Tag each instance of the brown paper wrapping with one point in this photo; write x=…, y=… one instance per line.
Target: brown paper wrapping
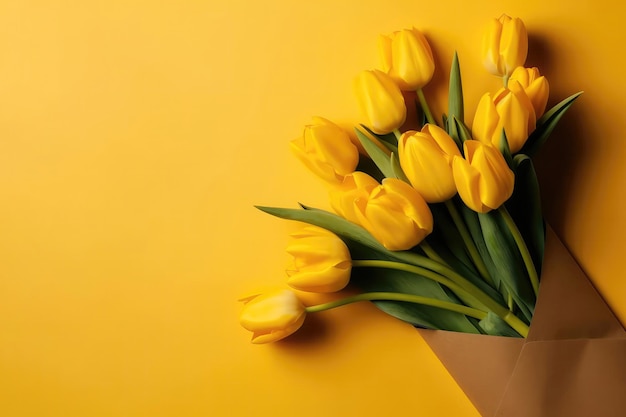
x=572, y=364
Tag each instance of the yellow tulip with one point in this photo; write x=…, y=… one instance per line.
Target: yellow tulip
x=321, y=261
x=535, y=86
x=407, y=58
x=509, y=109
x=483, y=179
x=272, y=316
x=505, y=45
x=326, y=149
x=395, y=214
x=355, y=186
x=380, y=100
x=426, y=159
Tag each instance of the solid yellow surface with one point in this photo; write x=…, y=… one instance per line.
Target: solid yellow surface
x=135, y=137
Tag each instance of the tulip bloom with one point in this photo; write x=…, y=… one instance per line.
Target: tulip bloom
x=505, y=45
x=272, y=316
x=407, y=58
x=509, y=109
x=326, y=149
x=321, y=261
x=380, y=100
x=395, y=214
x=426, y=159
x=355, y=186
x=483, y=179
x=535, y=86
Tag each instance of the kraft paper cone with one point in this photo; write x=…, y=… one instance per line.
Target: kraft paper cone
x=572, y=364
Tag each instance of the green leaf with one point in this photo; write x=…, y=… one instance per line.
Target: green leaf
x=505, y=150
x=462, y=132
x=453, y=130
x=380, y=157
x=389, y=138
x=392, y=148
x=525, y=208
x=546, y=124
x=363, y=246
x=369, y=167
x=397, y=169
x=446, y=236
x=455, y=95
x=495, y=326
x=328, y=221
x=473, y=225
x=388, y=280
x=507, y=260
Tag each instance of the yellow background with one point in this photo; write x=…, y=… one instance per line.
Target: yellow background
x=135, y=137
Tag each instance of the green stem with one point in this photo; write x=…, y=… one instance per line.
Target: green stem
x=397, y=133
x=484, y=299
x=426, y=273
x=509, y=300
x=393, y=296
x=521, y=245
x=425, y=107
x=455, y=282
x=505, y=80
x=469, y=243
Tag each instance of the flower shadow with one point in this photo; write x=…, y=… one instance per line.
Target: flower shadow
x=559, y=161
x=314, y=331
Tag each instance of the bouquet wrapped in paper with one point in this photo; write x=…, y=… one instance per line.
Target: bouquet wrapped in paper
x=441, y=227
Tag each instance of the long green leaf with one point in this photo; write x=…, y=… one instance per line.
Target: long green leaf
x=328, y=221
x=389, y=138
x=525, y=208
x=380, y=157
x=546, y=125
x=473, y=225
x=505, y=150
x=507, y=260
x=376, y=279
x=363, y=246
x=455, y=95
x=397, y=169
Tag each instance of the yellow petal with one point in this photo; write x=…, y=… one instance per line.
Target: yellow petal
x=467, y=180
x=380, y=100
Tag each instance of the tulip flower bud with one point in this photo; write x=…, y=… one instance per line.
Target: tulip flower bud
x=272, y=316
x=380, y=100
x=407, y=58
x=426, y=159
x=355, y=186
x=395, y=214
x=509, y=109
x=483, y=179
x=321, y=261
x=505, y=45
x=535, y=86
x=326, y=149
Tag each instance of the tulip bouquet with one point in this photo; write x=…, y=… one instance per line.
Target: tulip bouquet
x=440, y=227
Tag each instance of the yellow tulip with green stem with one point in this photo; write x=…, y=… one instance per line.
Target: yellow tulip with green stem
x=435, y=221
x=504, y=46
x=407, y=58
